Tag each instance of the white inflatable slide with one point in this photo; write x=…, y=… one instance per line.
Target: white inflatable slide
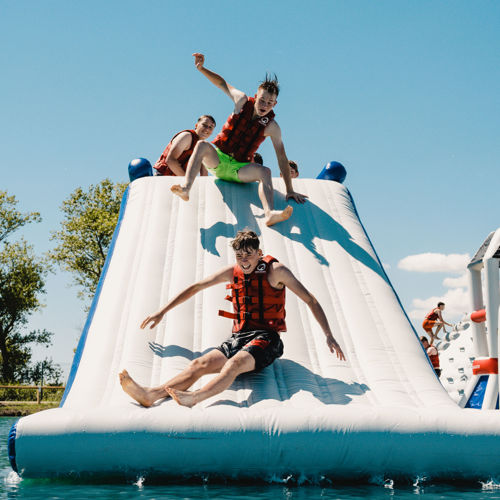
x=382, y=413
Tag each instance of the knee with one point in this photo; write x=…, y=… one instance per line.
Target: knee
x=236, y=364
x=202, y=147
x=198, y=365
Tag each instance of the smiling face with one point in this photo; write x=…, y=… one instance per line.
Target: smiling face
x=264, y=102
x=247, y=259
x=204, y=127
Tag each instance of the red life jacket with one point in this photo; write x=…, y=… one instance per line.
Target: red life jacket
x=434, y=358
x=161, y=164
x=256, y=304
x=432, y=316
x=241, y=136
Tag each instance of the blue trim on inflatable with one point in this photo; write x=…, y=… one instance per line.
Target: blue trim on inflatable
x=389, y=281
x=477, y=396
x=90, y=317
x=11, y=446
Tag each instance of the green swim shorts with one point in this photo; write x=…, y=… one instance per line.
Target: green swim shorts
x=228, y=167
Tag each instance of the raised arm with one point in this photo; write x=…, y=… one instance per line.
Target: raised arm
x=221, y=276
x=280, y=274
x=274, y=132
x=237, y=96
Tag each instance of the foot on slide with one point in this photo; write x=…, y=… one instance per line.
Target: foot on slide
x=184, y=398
x=180, y=191
x=141, y=394
x=276, y=216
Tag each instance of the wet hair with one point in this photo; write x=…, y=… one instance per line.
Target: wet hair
x=245, y=240
x=257, y=158
x=293, y=165
x=270, y=84
x=210, y=117
x=440, y=304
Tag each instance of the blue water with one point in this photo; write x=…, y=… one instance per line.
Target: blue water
x=12, y=487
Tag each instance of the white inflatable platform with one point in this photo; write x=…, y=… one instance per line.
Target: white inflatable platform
x=382, y=413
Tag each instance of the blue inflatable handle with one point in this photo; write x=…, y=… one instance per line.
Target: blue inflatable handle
x=140, y=167
x=333, y=171
x=11, y=447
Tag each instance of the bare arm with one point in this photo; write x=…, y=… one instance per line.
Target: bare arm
x=280, y=274
x=441, y=319
x=180, y=144
x=237, y=96
x=274, y=132
x=219, y=277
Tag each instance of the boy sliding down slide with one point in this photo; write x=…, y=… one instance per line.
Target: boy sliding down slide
x=233, y=157
x=258, y=296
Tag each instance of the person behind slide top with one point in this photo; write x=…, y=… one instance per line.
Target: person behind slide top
x=294, y=169
x=232, y=158
x=257, y=285
x=435, y=318
x=174, y=160
x=433, y=354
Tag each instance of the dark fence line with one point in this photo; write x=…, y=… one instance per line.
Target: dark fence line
x=13, y=392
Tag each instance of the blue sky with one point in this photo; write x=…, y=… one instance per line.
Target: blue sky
x=404, y=93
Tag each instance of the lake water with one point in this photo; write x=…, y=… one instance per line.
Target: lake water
x=12, y=487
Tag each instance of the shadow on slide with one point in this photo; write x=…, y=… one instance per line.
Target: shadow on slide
x=315, y=222
x=291, y=378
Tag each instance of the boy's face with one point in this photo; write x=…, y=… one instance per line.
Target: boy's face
x=204, y=128
x=247, y=259
x=264, y=102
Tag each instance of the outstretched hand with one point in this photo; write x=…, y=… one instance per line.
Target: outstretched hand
x=154, y=319
x=335, y=348
x=299, y=198
x=199, y=60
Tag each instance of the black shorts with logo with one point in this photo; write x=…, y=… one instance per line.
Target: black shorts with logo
x=264, y=346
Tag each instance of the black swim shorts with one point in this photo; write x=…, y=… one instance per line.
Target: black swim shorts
x=264, y=346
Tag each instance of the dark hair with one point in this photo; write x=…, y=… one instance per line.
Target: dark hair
x=210, y=117
x=423, y=338
x=440, y=304
x=257, y=158
x=293, y=165
x=271, y=84
x=245, y=240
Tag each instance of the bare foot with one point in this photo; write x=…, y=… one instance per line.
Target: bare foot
x=143, y=395
x=184, y=398
x=180, y=191
x=279, y=216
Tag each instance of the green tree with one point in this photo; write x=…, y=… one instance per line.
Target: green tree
x=22, y=282
x=86, y=232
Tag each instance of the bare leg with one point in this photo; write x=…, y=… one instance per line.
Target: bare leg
x=438, y=328
x=241, y=363
x=204, y=154
x=257, y=173
x=212, y=362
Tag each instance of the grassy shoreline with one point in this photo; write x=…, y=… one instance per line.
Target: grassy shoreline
x=23, y=408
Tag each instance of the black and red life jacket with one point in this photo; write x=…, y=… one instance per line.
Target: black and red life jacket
x=432, y=316
x=161, y=165
x=241, y=136
x=256, y=304
x=434, y=358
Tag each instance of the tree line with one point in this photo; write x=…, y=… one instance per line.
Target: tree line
x=81, y=245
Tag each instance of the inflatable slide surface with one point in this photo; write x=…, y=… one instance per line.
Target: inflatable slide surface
x=383, y=412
